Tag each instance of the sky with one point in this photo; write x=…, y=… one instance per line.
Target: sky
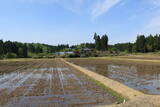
x=75, y=21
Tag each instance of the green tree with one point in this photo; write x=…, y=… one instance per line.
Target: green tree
x=155, y=43
x=1, y=47
x=31, y=48
x=150, y=44
x=104, y=42
x=97, y=42
x=158, y=42
x=10, y=55
x=23, y=52
x=130, y=46
x=141, y=44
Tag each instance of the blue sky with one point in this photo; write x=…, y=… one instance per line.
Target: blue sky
x=75, y=21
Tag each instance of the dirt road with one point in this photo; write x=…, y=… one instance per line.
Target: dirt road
x=49, y=83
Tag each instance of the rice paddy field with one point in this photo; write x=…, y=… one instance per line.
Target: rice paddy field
x=140, y=75
x=54, y=83
x=48, y=83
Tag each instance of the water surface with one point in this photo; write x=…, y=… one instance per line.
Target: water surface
x=140, y=76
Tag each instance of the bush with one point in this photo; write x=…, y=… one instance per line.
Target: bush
x=39, y=55
x=11, y=55
x=1, y=56
x=73, y=56
x=85, y=55
x=51, y=56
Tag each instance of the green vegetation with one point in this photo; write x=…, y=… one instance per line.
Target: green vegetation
x=10, y=55
x=101, y=43
x=143, y=44
x=9, y=49
x=100, y=48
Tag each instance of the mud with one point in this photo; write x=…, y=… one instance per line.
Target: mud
x=49, y=83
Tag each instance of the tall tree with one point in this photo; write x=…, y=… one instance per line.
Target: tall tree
x=7, y=47
x=104, y=42
x=31, y=48
x=1, y=47
x=150, y=44
x=97, y=41
x=141, y=44
x=156, y=42
x=159, y=42
x=23, y=51
x=130, y=47
x=39, y=49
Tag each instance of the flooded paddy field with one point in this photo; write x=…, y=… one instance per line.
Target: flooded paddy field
x=9, y=66
x=48, y=83
x=141, y=76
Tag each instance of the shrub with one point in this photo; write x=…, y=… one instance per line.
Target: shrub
x=73, y=56
x=11, y=55
x=39, y=56
x=1, y=56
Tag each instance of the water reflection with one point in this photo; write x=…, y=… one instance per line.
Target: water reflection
x=145, y=78
x=129, y=75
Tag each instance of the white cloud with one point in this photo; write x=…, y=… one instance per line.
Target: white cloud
x=103, y=7
x=156, y=2
x=94, y=7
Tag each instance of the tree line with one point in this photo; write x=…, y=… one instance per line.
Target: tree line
x=22, y=50
x=142, y=44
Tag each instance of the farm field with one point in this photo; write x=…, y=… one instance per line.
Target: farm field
x=48, y=83
x=142, y=56
x=140, y=75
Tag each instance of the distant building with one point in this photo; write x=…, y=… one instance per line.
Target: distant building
x=63, y=53
x=69, y=52
x=86, y=49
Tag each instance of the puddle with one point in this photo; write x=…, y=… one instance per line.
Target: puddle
x=145, y=78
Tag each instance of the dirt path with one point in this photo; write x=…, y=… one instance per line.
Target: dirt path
x=137, y=99
x=50, y=83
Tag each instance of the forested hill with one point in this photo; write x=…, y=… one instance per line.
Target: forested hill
x=22, y=50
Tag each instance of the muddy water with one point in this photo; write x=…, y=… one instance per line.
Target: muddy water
x=50, y=84
x=140, y=76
